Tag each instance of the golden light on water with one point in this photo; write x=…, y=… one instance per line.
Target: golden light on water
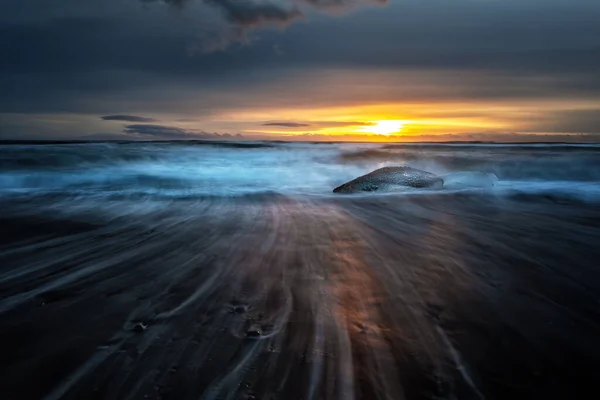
x=384, y=127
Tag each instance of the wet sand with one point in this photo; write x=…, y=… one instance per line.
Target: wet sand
x=271, y=297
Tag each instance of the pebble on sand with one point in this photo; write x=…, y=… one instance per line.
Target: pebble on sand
x=253, y=333
x=139, y=327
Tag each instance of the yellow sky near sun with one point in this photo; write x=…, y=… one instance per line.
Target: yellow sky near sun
x=378, y=121
x=390, y=121
x=347, y=104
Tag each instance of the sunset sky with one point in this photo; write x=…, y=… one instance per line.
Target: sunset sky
x=401, y=70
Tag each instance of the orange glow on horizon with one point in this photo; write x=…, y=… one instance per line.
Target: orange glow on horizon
x=384, y=122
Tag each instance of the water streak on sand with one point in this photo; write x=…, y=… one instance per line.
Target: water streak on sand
x=383, y=298
x=466, y=294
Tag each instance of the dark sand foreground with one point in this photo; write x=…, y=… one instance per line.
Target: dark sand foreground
x=443, y=297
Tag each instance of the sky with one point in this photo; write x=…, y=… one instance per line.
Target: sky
x=363, y=70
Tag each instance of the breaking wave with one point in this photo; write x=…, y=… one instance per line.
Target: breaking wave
x=191, y=169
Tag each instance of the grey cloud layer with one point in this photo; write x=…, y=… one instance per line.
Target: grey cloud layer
x=246, y=12
x=127, y=118
x=77, y=57
x=253, y=13
x=247, y=15
x=286, y=124
x=173, y=133
x=321, y=124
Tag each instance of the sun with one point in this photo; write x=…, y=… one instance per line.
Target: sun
x=384, y=127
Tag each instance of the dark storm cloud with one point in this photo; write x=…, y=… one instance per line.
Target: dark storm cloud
x=92, y=58
x=247, y=12
x=127, y=118
x=172, y=132
x=286, y=124
x=247, y=15
x=255, y=13
x=489, y=40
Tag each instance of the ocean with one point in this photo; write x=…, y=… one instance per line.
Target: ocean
x=178, y=170
x=229, y=270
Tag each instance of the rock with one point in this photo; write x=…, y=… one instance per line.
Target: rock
x=139, y=327
x=240, y=309
x=253, y=333
x=390, y=178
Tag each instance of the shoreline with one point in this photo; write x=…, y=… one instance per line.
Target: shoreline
x=357, y=298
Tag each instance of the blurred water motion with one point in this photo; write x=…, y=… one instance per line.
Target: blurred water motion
x=134, y=287
x=183, y=170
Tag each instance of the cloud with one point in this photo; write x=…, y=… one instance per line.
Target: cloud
x=559, y=121
x=245, y=15
x=336, y=6
x=286, y=124
x=104, y=137
x=339, y=124
x=127, y=118
x=512, y=63
x=164, y=132
x=252, y=13
x=247, y=12
x=316, y=124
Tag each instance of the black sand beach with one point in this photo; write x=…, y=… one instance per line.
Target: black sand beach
x=272, y=297
x=299, y=200
x=217, y=270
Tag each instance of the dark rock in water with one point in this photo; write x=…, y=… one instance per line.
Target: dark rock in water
x=240, y=309
x=253, y=333
x=389, y=178
x=139, y=327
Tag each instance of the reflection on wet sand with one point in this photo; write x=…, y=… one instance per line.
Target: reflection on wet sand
x=372, y=298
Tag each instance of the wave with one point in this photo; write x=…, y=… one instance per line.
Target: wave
x=512, y=163
x=468, y=145
x=53, y=155
x=183, y=170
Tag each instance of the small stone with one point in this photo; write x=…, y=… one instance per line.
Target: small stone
x=239, y=309
x=253, y=333
x=139, y=327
